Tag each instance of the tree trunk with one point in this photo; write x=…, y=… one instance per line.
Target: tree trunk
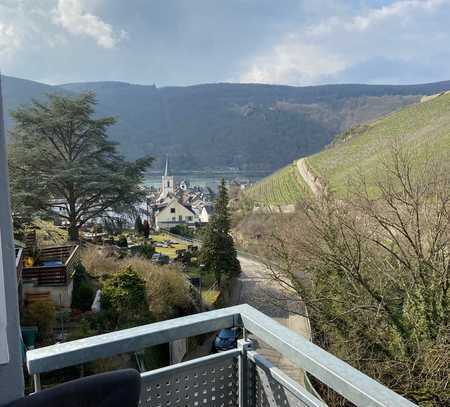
x=74, y=233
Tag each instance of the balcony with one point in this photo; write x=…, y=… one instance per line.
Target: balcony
x=238, y=377
x=55, y=266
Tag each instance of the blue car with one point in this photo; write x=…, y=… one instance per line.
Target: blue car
x=226, y=339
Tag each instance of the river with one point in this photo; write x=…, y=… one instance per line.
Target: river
x=206, y=179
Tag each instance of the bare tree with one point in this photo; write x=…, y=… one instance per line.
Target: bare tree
x=374, y=269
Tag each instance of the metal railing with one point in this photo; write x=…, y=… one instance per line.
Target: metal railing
x=237, y=377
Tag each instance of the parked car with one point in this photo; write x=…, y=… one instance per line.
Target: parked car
x=226, y=339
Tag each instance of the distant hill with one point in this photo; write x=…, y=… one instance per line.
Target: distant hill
x=219, y=126
x=423, y=126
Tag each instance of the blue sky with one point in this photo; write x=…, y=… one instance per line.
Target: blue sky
x=183, y=42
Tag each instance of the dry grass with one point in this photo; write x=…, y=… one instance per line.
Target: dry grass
x=99, y=261
x=48, y=234
x=169, y=292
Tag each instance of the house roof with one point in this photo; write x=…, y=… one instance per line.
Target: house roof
x=176, y=200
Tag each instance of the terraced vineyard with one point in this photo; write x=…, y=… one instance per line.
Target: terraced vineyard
x=282, y=187
x=422, y=127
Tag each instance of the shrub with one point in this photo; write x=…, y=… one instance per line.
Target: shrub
x=124, y=298
x=170, y=294
x=122, y=242
x=83, y=289
x=146, y=251
x=182, y=230
x=43, y=315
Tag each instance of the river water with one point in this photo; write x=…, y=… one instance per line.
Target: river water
x=209, y=179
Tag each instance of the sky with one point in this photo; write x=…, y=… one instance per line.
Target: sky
x=185, y=42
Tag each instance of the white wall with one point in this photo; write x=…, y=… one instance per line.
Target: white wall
x=11, y=377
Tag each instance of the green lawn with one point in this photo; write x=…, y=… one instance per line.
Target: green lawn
x=168, y=251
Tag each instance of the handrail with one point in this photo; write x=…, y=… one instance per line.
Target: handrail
x=129, y=340
x=72, y=255
x=335, y=373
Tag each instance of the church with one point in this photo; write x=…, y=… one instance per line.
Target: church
x=169, y=210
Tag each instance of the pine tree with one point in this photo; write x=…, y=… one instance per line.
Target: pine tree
x=218, y=253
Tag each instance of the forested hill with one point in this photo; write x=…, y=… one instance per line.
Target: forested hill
x=215, y=126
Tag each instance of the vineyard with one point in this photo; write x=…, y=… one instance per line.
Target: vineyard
x=282, y=187
x=423, y=128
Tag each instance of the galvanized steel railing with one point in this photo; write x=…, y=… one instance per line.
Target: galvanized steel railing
x=238, y=377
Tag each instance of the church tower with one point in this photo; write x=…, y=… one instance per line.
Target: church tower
x=167, y=185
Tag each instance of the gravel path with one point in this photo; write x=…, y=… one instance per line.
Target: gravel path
x=310, y=179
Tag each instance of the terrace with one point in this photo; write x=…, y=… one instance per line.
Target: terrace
x=54, y=266
x=238, y=377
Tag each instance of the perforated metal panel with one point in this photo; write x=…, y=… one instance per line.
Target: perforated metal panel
x=268, y=390
x=211, y=383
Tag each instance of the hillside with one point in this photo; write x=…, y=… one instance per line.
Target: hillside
x=218, y=126
x=424, y=127
x=282, y=187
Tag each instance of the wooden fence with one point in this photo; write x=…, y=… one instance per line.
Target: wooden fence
x=54, y=275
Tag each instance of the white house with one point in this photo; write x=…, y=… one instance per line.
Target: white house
x=184, y=185
x=174, y=213
x=206, y=213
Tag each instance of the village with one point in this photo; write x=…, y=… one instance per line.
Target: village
x=59, y=282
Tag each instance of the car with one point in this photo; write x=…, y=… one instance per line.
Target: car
x=226, y=339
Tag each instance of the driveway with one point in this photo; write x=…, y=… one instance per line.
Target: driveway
x=255, y=287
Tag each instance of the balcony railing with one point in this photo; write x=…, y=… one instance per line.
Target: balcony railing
x=239, y=377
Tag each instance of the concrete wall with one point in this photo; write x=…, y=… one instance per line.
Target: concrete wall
x=11, y=376
x=61, y=296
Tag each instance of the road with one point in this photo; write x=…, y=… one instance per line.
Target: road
x=256, y=288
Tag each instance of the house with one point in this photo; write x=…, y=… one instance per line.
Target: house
x=48, y=276
x=184, y=185
x=206, y=213
x=174, y=213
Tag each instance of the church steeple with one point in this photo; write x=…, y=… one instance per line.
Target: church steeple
x=166, y=172
x=167, y=185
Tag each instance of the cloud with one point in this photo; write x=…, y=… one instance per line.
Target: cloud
x=70, y=15
x=405, y=32
x=293, y=62
x=10, y=40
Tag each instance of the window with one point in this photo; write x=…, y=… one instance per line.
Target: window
x=172, y=210
x=180, y=218
x=189, y=218
x=168, y=184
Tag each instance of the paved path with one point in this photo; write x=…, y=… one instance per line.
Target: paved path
x=310, y=179
x=255, y=287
